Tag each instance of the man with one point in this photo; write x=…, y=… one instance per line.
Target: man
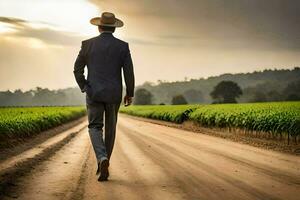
x=105, y=57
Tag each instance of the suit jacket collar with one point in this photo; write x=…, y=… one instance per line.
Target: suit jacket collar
x=106, y=33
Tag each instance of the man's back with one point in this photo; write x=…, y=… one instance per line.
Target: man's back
x=105, y=56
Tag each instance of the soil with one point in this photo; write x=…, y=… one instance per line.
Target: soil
x=260, y=140
x=154, y=161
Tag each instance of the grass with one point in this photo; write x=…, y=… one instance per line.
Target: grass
x=170, y=113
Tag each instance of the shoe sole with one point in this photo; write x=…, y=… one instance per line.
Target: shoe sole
x=103, y=171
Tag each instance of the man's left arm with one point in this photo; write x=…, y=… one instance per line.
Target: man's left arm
x=79, y=66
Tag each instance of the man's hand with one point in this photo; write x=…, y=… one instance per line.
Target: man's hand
x=127, y=100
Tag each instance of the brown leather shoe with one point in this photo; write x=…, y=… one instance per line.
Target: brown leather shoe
x=98, y=169
x=104, y=173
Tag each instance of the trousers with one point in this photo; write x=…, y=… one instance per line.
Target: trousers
x=99, y=115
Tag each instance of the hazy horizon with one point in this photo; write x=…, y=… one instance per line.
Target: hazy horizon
x=169, y=40
x=158, y=81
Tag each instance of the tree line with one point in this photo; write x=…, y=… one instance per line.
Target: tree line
x=257, y=86
x=42, y=97
x=267, y=85
x=223, y=92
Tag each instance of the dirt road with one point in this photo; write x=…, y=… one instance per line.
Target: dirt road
x=151, y=161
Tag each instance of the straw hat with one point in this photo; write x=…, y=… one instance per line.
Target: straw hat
x=107, y=19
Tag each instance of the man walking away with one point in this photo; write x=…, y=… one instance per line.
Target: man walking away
x=105, y=56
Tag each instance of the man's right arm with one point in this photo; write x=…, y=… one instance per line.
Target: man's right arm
x=79, y=66
x=128, y=73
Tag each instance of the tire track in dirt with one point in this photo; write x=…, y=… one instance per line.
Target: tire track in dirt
x=181, y=160
x=56, y=177
x=274, y=173
x=151, y=161
x=162, y=142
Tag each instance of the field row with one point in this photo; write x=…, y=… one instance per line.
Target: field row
x=22, y=122
x=280, y=118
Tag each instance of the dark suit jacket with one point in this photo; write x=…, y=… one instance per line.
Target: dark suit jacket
x=105, y=56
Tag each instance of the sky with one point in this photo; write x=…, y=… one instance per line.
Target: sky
x=169, y=40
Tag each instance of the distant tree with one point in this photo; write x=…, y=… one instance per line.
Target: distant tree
x=292, y=90
x=258, y=97
x=274, y=95
x=148, y=84
x=226, y=92
x=43, y=96
x=162, y=104
x=6, y=98
x=193, y=96
x=293, y=97
x=143, y=97
x=179, y=100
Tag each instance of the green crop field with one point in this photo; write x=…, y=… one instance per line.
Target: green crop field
x=22, y=122
x=162, y=112
x=278, y=118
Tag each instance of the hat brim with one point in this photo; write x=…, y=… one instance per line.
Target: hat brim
x=97, y=22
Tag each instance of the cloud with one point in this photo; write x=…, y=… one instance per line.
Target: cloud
x=11, y=20
x=143, y=41
x=50, y=36
x=216, y=24
x=169, y=39
x=24, y=67
x=41, y=31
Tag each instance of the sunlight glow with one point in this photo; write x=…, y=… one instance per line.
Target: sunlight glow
x=6, y=28
x=35, y=43
x=29, y=42
x=39, y=25
x=69, y=15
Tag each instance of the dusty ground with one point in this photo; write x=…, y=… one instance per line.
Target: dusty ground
x=260, y=140
x=152, y=161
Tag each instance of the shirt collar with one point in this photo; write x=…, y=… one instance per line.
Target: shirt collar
x=106, y=32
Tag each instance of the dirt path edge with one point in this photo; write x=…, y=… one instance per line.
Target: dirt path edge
x=10, y=174
x=235, y=135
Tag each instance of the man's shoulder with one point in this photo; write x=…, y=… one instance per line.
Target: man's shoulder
x=89, y=40
x=117, y=40
x=121, y=42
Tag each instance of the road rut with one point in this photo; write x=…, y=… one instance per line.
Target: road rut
x=152, y=161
